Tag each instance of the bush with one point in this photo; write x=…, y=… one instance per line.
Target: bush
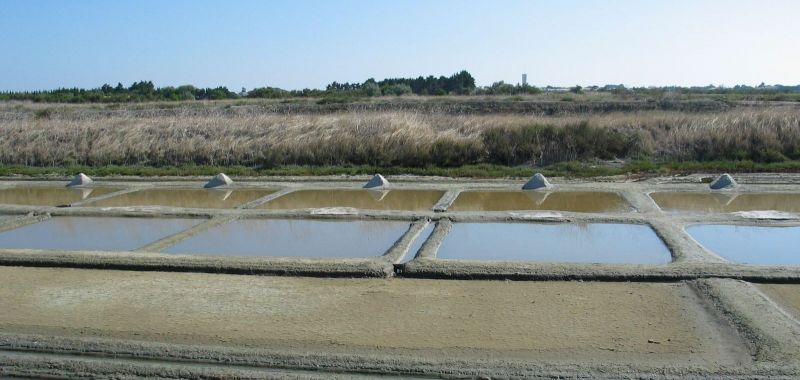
x=371, y=89
x=397, y=89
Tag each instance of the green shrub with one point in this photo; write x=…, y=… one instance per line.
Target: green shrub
x=397, y=89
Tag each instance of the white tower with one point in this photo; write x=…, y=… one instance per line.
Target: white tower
x=524, y=80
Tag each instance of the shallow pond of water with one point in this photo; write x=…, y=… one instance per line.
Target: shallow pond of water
x=93, y=233
x=577, y=243
x=726, y=202
x=188, y=198
x=49, y=196
x=571, y=201
x=295, y=237
x=750, y=244
x=406, y=200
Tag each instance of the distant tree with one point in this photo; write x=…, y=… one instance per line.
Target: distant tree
x=371, y=88
x=397, y=89
x=501, y=88
x=268, y=92
x=142, y=88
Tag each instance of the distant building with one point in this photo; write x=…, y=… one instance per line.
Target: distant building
x=556, y=89
x=524, y=79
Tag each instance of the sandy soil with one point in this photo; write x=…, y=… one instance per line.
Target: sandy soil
x=786, y=295
x=555, y=321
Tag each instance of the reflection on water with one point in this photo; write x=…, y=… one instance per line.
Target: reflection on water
x=49, y=196
x=584, y=243
x=750, y=245
x=574, y=201
x=189, y=198
x=295, y=237
x=93, y=233
x=727, y=202
x=408, y=200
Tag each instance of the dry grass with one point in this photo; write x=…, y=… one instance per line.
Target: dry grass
x=218, y=136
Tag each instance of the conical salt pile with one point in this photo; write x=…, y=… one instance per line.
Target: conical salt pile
x=219, y=180
x=724, y=181
x=80, y=180
x=376, y=181
x=538, y=181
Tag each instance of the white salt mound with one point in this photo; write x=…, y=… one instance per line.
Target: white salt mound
x=219, y=180
x=80, y=180
x=724, y=181
x=376, y=181
x=538, y=181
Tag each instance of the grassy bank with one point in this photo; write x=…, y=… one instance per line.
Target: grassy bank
x=564, y=169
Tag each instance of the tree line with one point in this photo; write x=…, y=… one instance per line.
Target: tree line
x=142, y=91
x=461, y=83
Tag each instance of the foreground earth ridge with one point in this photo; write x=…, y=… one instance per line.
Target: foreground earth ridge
x=146, y=314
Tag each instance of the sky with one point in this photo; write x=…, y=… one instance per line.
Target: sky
x=47, y=44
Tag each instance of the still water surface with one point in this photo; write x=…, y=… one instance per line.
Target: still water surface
x=295, y=237
x=727, y=202
x=93, y=233
x=576, y=243
x=188, y=198
x=406, y=200
x=749, y=244
x=49, y=196
x=571, y=201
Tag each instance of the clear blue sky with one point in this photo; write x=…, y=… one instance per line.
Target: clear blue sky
x=297, y=44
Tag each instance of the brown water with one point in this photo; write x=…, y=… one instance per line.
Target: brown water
x=93, y=233
x=49, y=196
x=584, y=243
x=573, y=201
x=295, y=237
x=727, y=202
x=189, y=198
x=408, y=200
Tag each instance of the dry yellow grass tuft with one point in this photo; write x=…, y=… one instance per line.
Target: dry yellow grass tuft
x=220, y=135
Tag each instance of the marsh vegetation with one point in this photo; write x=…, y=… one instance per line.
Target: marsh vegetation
x=417, y=134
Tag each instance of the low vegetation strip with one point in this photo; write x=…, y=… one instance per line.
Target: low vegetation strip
x=184, y=141
x=424, y=142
